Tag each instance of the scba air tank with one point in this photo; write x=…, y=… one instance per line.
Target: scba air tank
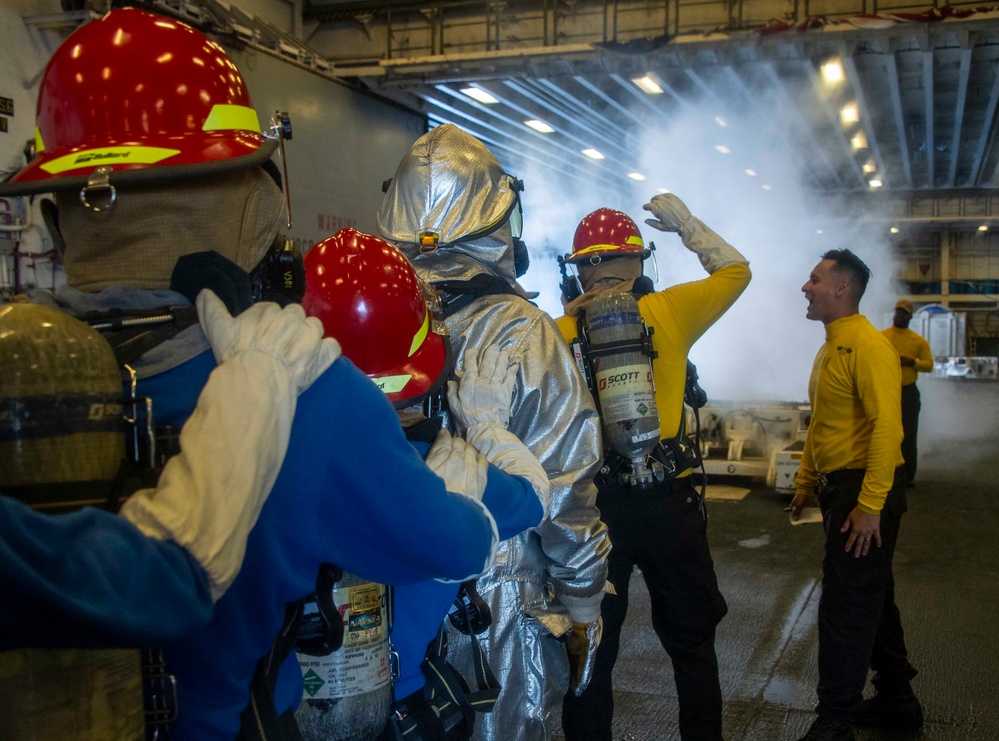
x=348, y=694
x=620, y=356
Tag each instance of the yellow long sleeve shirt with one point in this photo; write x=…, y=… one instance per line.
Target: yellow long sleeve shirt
x=679, y=315
x=908, y=344
x=855, y=392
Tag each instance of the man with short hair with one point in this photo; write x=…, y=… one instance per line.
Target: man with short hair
x=853, y=461
x=915, y=357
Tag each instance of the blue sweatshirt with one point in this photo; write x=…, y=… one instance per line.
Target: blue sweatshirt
x=420, y=608
x=352, y=491
x=91, y=579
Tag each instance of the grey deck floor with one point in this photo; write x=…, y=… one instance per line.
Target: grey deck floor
x=947, y=588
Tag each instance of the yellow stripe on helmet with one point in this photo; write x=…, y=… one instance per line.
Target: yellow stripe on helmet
x=227, y=117
x=392, y=384
x=108, y=156
x=635, y=239
x=421, y=334
x=39, y=144
x=607, y=247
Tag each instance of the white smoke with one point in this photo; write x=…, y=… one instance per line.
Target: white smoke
x=762, y=349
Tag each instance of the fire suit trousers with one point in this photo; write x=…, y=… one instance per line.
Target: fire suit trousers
x=859, y=623
x=910, y=427
x=663, y=533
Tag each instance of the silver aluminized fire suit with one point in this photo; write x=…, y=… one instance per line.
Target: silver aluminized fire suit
x=451, y=185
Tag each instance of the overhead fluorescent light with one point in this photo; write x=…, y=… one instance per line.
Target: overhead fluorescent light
x=539, y=126
x=818, y=231
x=723, y=149
x=720, y=121
x=477, y=93
x=859, y=141
x=636, y=176
x=766, y=187
x=894, y=230
x=593, y=154
x=983, y=228
x=832, y=72
x=751, y=173
x=849, y=114
x=875, y=183
x=647, y=85
x=662, y=190
x=869, y=167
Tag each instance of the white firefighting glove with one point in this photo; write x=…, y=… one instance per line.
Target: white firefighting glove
x=480, y=401
x=464, y=471
x=673, y=216
x=485, y=389
x=287, y=335
x=232, y=447
x=459, y=464
x=584, y=639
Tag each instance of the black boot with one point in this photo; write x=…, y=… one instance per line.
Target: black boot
x=893, y=706
x=827, y=729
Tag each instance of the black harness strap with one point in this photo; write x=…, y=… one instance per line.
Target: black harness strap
x=458, y=294
x=132, y=334
x=260, y=720
x=448, y=712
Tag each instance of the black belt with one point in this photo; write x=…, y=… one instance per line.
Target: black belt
x=842, y=476
x=656, y=488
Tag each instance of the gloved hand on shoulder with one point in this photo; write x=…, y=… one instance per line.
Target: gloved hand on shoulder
x=584, y=638
x=480, y=401
x=672, y=215
x=232, y=447
x=459, y=464
x=287, y=335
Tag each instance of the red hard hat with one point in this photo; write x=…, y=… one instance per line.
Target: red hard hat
x=368, y=297
x=145, y=96
x=606, y=233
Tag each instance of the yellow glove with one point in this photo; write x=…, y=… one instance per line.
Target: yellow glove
x=577, y=647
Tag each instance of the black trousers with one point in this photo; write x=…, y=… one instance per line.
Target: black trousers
x=910, y=427
x=859, y=623
x=663, y=533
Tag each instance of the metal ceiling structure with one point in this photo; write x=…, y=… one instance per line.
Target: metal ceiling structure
x=913, y=110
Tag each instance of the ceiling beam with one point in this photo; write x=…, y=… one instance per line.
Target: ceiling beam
x=739, y=84
x=586, y=112
x=962, y=96
x=572, y=126
x=832, y=118
x=632, y=89
x=519, y=146
x=978, y=163
x=791, y=106
x=853, y=76
x=891, y=70
x=928, y=115
x=584, y=83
